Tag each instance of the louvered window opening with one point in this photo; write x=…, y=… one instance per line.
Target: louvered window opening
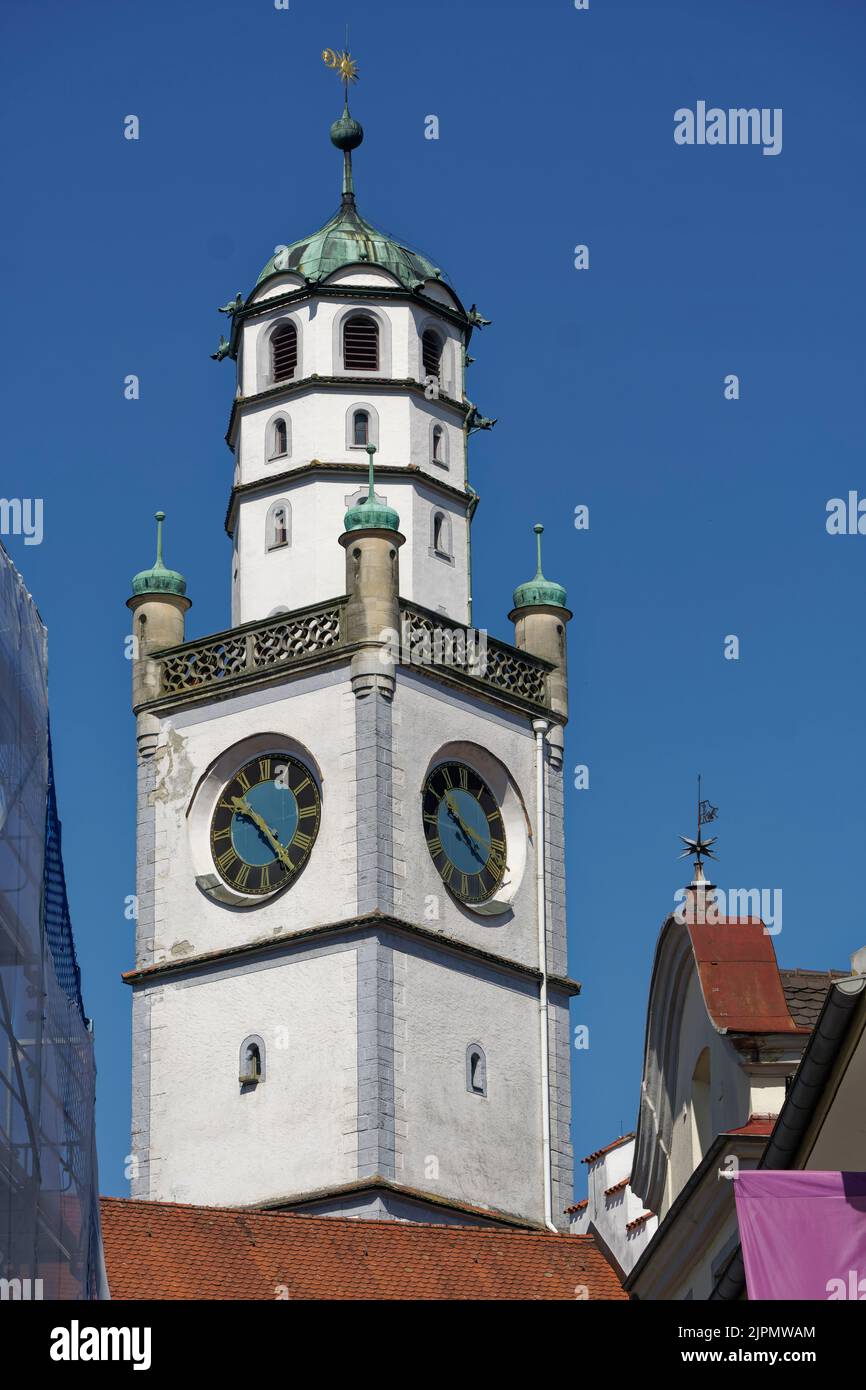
x=284, y=347
x=431, y=352
x=361, y=345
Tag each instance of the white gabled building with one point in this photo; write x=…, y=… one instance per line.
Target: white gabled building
x=612, y=1211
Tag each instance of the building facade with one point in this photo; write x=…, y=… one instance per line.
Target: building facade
x=350, y=991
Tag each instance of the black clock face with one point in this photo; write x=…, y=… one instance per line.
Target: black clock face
x=465, y=831
x=265, y=824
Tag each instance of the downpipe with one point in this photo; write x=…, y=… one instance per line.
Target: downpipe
x=540, y=728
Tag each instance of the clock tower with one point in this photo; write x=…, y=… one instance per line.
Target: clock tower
x=350, y=991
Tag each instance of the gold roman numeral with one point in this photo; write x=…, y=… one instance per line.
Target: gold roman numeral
x=243, y=782
x=302, y=841
x=264, y=769
x=226, y=860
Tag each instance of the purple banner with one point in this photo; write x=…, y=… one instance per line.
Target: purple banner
x=803, y=1235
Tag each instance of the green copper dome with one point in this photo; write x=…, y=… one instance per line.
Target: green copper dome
x=159, y=580
x=371, y=513
x=539, y=590
x=348, y=239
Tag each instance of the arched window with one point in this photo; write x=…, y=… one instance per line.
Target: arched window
x=278, y=446
x=431, y=352
x=278, y=526
x=361, y=429
x=476, y=1070
x=437, y=444
x=440, y=538
x=252, y=1061
x=284, y=352
x=361, y=344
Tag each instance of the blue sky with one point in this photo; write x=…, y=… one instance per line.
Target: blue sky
x=707, y=516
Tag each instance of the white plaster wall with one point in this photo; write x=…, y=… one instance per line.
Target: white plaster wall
x=316, y=713
x=455, y=1143
x=319, y=431
x=313, y=568
x=426, y=717
x=611, y=1215
x=211, y=1142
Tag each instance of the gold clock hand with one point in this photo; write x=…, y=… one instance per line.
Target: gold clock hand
x=467, y=830
x=243, y=807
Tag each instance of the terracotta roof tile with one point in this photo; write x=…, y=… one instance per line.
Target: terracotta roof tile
x=161, y=1250
x=599, y=1153
x=578, y=1206
x=756, y=1124
x=617, y=1187
x=638, y=1221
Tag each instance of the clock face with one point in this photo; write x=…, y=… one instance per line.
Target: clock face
x=265, y=824
x=465, y=831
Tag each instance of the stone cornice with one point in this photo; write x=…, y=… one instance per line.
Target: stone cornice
x=351, y=926
x=284, y=390
x=320, y=467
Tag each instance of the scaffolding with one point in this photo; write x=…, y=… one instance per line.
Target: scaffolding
x=49, y=1217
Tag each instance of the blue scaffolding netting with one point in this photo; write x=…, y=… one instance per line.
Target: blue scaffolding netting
x=49, y=1215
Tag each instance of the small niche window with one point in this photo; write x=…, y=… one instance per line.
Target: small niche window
x=284, y=352
x=431, y=352
x=279, y=440
x=252, y=1061
x=440, y=539
x=278, y=527
x=436, y=446
x=476, y=1070
x=361, y=344
x=361, y=429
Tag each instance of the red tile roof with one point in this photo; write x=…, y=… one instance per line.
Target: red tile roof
x=617, y=1187
x=599, y=1153
x=756, y=1124
x=740, y=978
x=638, y=1221
x=161, y=1250
x=578, y=1206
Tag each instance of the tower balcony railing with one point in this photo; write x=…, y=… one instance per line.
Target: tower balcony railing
x=254, y=648
x=431, y=640
x=426, y=639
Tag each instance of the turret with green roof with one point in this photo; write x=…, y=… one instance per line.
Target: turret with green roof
x=540, y=616
x=159, y=605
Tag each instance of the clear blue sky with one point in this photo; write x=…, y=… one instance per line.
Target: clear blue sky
x=707, y=516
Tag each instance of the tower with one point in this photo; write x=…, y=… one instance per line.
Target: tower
x=350, y=991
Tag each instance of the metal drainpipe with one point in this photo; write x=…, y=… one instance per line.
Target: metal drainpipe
x=540, y=728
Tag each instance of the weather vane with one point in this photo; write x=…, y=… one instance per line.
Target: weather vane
x=701, y=848
x=343, y=63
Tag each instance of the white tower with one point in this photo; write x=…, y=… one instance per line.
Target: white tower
x=350, y=991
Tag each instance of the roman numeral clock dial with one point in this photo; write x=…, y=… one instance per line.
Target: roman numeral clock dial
x=465, y=832
x=265, y=825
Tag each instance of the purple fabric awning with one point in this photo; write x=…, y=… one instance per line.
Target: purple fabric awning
x=803, y=1235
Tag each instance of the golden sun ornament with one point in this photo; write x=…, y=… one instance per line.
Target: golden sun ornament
x=343, y=63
